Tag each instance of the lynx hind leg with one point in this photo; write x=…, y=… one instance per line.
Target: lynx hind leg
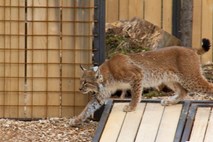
x=200, y=85
x=180, y=93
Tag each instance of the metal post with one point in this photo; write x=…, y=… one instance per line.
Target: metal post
x=176, y=10
x=99, y=53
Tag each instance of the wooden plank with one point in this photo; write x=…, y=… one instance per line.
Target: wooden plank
x=149, y=126
x=167, y=15
x=39, y=57
x=28, y=97
x=11, y=84
x=53, y=59
x=123, y=9
x=136, y=9
x=200, y=124
x=207, y=27
x=2, y=57
x=196, y=24
x=68, y=72
x=153, y=11
x=209, y=131
x=112, y=11
x=131, y=122
x=169, y=123
x=114, y=123
x=82, y=43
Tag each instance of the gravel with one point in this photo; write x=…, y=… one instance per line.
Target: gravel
x=50, y=130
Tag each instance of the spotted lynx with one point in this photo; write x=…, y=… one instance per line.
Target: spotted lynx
x=176, y=67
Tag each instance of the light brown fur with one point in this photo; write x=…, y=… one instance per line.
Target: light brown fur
x=176, y=67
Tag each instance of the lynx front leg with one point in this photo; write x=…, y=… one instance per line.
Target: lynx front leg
x=136, y=96
x=91, y=107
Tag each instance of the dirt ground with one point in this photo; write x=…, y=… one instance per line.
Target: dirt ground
x=51, y=130
x=55, y=129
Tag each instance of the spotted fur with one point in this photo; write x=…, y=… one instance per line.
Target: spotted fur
x=176, y=67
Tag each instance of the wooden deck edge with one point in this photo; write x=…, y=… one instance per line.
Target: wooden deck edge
x=103, y=120
x=180, y=134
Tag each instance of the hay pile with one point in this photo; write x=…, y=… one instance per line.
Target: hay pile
x=136, y=35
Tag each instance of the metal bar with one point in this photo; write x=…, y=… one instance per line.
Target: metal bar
x=99, y=32
x=191, y=117
x=182, y=121
x=176, y=10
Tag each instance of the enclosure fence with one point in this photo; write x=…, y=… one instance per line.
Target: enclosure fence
x=159, y=12
x=42, y=44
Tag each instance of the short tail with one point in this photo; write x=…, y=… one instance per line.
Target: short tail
x=205, y=46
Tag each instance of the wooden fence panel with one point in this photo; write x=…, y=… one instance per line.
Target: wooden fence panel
x=155, y=11
x=202, y=25
x=42, y=44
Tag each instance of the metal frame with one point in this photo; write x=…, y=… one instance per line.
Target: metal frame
x=99, y=32
x=191, y=118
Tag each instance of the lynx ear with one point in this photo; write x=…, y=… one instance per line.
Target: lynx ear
x=99, y=76
x=82, y=68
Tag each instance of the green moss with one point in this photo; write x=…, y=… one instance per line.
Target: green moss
x=120, y=44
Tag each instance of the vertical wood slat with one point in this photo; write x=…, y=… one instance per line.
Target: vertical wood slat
x=11, y=84
x=123, y=7
x=196, y=24
x=39, y=56
x=209, y=131
x=152, y=112
x=131, y=123
x=167, y=16
x=136, y=8
x=114, y=123
x=113, y=10
x=169, y=123
x=207, y=23
x=153, y=12
x=200, y=124
x=68, y=56
x=21, y=58
x=53, y=60
x=2, y=58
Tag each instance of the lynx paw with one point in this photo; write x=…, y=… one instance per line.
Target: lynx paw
x=128, y=108
x=169, y=101
x=165, y=102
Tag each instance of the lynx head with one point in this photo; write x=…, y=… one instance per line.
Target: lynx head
x=90, y=80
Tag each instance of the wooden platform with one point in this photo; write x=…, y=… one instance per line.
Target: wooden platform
x=151, y=122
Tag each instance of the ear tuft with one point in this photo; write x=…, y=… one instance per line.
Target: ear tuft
x=82, y=68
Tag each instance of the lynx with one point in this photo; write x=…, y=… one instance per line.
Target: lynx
x=176, y=67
